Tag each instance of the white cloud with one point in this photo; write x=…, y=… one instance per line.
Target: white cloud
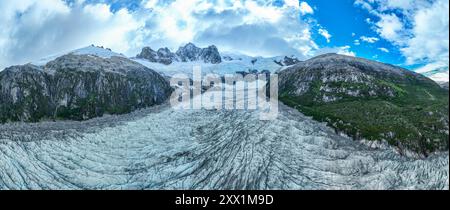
x=33, y=29
x=305, y=8
x=430, y=40
x=383, y=49
x=343, y=50
x=418, y=28
x=431, y=67
x=254, y=27
x=151, y=4
x=437, y=71
x=390, y=27
x=292, y=3
x=369, y=39
x=325, y=34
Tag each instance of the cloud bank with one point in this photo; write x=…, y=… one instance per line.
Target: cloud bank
x=32, y=29
x=419, y=28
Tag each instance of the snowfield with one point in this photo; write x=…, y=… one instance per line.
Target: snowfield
x=241, y=63
x=163, y=148
x=89, y=50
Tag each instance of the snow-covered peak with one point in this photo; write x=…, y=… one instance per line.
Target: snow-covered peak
x=97, y=51
x=89, y=50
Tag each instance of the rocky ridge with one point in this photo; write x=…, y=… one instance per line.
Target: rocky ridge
x=187, y=53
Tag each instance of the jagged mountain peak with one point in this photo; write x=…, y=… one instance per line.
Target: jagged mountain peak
x=187, y=53
x=287, y=60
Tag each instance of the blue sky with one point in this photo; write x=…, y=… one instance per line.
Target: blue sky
x=347, y=23
x=409, y=33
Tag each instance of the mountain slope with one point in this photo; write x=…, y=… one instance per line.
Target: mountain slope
x=78, y=87
x=370, y=100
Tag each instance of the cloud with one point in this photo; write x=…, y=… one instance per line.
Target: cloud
x=325, y=34
x=34, y=29
x=369, y=39
x=251, y=39
x=430, y=40
x=292, y=3
x=383, y=49
x=305, y=8
x=418, y=28
x=390, y=27
x=343, y=50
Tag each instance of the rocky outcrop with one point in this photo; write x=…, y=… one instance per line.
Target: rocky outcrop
x=163, y=55
x=210, y=55
x=287, y=61
x=78, y=87
x=188, y=53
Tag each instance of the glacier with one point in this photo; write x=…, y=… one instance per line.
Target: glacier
x=164, y=148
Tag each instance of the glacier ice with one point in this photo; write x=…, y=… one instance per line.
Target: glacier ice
x=163, y=148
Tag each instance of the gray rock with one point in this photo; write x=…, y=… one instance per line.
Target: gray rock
x=188, y=53
x=166, y=57
x=210, y=55
x=148, y=54
x=78, y=87
x=330, y=70
x=287, y=61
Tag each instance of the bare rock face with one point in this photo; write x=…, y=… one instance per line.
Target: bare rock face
x=163, y=55
x=210, y=55
x=78, y=87
x=187, y=53
x=287, y=61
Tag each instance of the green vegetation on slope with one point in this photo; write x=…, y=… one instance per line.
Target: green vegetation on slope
x=416, y=118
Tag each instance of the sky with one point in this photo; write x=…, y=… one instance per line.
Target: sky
x=410, y=33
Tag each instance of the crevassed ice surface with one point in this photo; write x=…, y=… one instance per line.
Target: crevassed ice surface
x=163, y=148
